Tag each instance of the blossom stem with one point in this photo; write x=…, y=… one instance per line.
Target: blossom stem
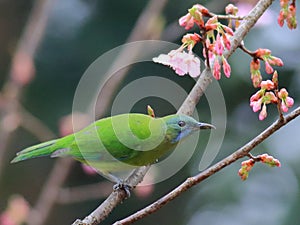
x=244, y=49
x=255, y=158
x=281, y=117
x=227, y=17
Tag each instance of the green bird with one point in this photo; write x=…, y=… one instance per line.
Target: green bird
x=120, y=142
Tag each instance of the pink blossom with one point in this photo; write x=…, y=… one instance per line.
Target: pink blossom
x=263, y=113
x=191, y=40
x=255, y=73
x=291, y=17
x=231, y=9
x=262, y=52
x=219, y=45
x=282, y=94
x=226, y=67
x=181, y=62
x=256, y=78
x=286, y=104
x=275, y=61
x=246, y=166
x=283, y=107
x=255, y=65
x=280, y=18
x=204, y=11
x=270, y=98
x=286, y=101
x=284, y=3
x=212, y=23
x=256, y=96
x=256, y=105
x=268, y=68
x=289, y=102
x=186, y=21
x=226, y=41
x=217, y=70
x=268, y=85
x=269, y=160
x=228, y=30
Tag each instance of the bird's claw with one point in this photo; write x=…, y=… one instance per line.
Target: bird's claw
x=126, y=187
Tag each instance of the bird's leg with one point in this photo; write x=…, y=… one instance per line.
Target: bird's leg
x=120, y=184
x=133, y=175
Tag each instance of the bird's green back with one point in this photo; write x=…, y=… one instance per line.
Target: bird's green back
x=134, y=139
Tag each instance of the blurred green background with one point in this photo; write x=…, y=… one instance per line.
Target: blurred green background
x=79, y=31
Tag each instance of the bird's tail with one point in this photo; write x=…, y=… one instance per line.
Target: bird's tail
x=39, y=150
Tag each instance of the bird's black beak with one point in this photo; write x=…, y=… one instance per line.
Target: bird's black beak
x=206, y=126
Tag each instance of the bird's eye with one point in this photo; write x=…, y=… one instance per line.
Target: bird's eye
x=181, y=123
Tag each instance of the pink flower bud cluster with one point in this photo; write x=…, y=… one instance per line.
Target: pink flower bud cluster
x=215, y=37
x=265, y=55
x=247, y=165
x=269, y=93
x=255, y=72
x=288, y=13
x=231, y=9
x=286, y=101
x=216, y=44
x=194, y=16
x=269, y=160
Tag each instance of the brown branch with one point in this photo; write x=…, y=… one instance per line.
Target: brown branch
x=115, y=198
x=192, y=181
x=194, y=96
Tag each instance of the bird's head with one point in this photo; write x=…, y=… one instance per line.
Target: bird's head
x=181, y=126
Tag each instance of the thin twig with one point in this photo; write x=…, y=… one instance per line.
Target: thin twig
x=227, y=17
x=191, y=181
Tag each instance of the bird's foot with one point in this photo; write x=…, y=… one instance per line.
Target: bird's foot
x=126, y=187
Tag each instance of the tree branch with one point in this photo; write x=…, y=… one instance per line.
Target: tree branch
x=192, y=181
x=115, y=198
